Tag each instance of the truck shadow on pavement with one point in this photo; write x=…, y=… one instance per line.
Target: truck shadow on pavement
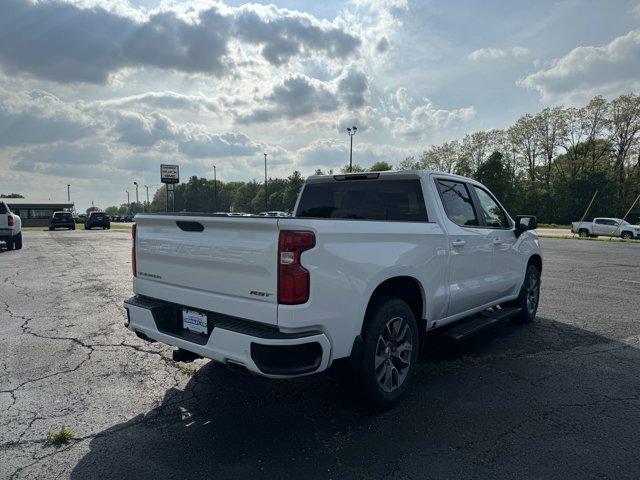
x=546, y=400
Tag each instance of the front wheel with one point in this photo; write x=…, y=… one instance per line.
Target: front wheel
x=583, y=233
x=529, y=296
x=627, y=235
x=390, y=352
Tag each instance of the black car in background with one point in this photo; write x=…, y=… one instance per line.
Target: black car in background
x=62, y=220
x=97, y=219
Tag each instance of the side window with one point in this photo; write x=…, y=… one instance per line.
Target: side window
x=601, y=221
x=457, y=202
x=494, y=216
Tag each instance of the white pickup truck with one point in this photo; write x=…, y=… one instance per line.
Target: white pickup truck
x=608, y=227
x=367, y=264
x=10, y=227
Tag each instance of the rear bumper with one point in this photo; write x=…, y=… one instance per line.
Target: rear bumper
x=259, y=348
x=6, y=233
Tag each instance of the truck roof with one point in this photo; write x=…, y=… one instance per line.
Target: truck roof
x=380, y=175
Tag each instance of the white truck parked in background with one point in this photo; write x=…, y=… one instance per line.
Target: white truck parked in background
x=10, y=227
x=608, y=227
x=367, y=264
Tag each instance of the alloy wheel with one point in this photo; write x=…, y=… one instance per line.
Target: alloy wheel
x=393, y=354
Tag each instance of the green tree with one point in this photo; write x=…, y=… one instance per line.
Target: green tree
x=381, y=167
x=11, y=195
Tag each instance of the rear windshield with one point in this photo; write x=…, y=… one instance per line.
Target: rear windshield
x=394, y=200
x=62, y=216
x=3, y=209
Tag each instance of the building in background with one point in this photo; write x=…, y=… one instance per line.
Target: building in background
x=34, y=213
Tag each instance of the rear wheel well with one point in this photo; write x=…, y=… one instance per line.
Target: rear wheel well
x=536, y=261
x=404, y=288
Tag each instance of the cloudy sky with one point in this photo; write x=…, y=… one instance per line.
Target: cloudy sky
x=98, y=93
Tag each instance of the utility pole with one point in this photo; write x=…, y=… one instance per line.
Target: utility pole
x=128, y=202
x=68, y=192
x=266, y=188
x=147, y=206
x=215, y=190
x=351, y=132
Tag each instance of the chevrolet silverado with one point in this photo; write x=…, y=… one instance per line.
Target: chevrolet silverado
x=367, y=265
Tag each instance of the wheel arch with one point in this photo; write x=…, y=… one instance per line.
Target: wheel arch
x=536, y=261
x=405, y=288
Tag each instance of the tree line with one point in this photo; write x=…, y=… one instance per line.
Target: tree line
x=549, y=164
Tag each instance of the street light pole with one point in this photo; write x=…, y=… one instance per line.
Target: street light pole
x=351, y=132
x=137, y=200
x=147, y=206
x=266, y=188
x=128, y=202
x=215, y=190
x=68, y=192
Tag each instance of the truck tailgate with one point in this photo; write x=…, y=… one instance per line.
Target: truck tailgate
x=215, y=263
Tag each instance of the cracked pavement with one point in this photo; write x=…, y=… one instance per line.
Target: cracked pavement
x=556, y=399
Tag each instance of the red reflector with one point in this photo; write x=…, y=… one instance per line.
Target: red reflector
x=134, y=269
x=293, y=278
x=10, y=220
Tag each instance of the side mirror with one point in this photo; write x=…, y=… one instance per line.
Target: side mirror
x=524, y=223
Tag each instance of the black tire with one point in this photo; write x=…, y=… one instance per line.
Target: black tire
x=9, y=244
x=529, y=297
x=17, y=243
x=387, y=369
x=583, y=233
x=627, y=235
x=104, y=228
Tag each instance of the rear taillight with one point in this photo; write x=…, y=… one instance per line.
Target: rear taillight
x=293, y=278
x=10, y=221
x=134, y=270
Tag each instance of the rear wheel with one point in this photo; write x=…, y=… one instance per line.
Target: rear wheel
x=390, y=352
x=17, y=243
x=529, y=296
x=9, y=244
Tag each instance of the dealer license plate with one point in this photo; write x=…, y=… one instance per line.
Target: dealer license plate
x=194, y=321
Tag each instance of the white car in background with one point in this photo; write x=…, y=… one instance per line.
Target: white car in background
x=607, y=227
x=10, y=227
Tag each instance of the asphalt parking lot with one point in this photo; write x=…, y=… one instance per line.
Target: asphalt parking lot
x=556, y=399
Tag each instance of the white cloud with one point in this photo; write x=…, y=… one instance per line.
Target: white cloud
x=585, y=71
x=497, y=53
x=63, y=42
x=299, y=96
x=164, y=101
x=39, y=117
x=413, y=119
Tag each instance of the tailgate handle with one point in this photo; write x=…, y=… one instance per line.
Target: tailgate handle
x=190, y=226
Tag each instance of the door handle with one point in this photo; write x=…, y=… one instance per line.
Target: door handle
x=458, y=243
x=497, y=241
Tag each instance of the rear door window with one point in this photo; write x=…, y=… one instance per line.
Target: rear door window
x=388, y=200
x=457, y=202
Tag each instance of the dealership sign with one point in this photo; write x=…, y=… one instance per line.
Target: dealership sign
x=169, y=174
